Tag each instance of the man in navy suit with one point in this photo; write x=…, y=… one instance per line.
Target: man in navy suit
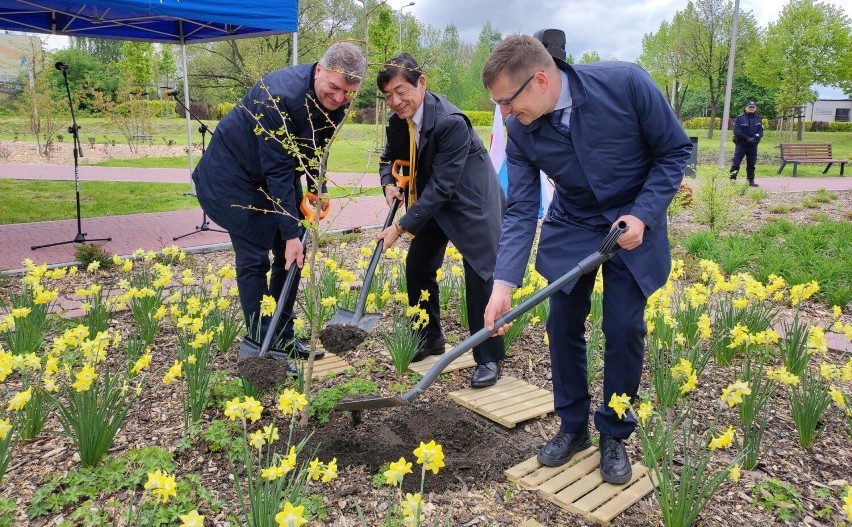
x=607, y=138
x=454, y=196
x=247, y=172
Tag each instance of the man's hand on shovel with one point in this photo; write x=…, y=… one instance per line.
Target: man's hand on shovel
x=498, y=304
x=293, y=252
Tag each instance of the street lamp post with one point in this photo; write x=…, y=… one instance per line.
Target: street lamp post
x=400, y=23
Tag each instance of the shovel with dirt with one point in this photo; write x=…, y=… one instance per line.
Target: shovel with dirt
x=255, y=363
x=347, y=329
x=607, y=249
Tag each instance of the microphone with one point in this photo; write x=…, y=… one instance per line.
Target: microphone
x=172, y=93
x=61, y=66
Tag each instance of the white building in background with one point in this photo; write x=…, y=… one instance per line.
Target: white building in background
x=828, y=110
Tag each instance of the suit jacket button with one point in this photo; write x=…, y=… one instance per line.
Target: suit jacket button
x=417, y=214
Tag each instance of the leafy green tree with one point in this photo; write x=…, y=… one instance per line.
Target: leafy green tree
x=166, y=67
x=105, y=50
x=86, y=74
x=477, y=97
x=811, y=43
x=137, y=65
x=663, y=58
x=705, y=41
x=589, y=56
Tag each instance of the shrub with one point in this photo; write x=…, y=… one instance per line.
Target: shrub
x=86, y=254
x=222, y=109
x=480, y=118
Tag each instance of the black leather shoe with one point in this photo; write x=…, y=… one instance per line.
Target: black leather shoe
x=615, y=467
x=430, y=347
x=753, y=184
x=485, y=374
x=296, y=350
x=562, y=448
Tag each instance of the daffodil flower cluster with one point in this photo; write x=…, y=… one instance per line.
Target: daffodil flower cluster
x=325, y=472
x=782, y=375
x=683, y=371
x=161, y=485
x=733, y=393
x=247, y=408
x=620, y=404
x=723, y=440
x=430, y=455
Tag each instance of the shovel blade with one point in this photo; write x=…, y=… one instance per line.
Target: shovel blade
x=345, y=317
x=371, y=403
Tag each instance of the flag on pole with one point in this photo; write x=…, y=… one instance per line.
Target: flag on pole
x=497, y=152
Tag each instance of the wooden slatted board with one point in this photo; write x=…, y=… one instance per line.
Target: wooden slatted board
x=577, y=486
x=329, y=365
x=508, y=402
x=421, y=367
x=531, y=523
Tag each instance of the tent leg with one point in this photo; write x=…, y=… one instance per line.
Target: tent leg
x=188, y=120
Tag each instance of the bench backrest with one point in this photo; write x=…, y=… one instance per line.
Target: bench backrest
x=806, y=151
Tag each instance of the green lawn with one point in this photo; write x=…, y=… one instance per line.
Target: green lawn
x=29, y=201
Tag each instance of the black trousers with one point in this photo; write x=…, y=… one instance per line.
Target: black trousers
x=624, y=329
x=425, y=257
x=749, y=151
x=252, y=263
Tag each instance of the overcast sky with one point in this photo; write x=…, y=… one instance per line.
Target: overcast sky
x=613, y=28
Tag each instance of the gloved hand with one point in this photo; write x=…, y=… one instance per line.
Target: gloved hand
x=750, y=139
x=756, y=138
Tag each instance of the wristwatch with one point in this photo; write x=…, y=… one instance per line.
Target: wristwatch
x=399, y=229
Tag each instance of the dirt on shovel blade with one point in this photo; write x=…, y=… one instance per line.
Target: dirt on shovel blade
x=263, y=372
x=341, y=338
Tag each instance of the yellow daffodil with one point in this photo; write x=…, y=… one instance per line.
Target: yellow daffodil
x=84, y=378
x=94, y=266
x=620, y=404
x=290, y=401
x=397, y=470
x=328, y=301
x=837, y=396
x=704, y=328
x=847, y=503
x=174, y=372
x=330, y=471
x=257, y=439
x=315, y=469
x=734, y=473
x=19, y=400
x=161, y=485
x=724, y=440
x=267, y=306
x=412, y=507
x=291, y=516
x=5, y=428
x=783, y=376
x=803, y=292
x=646, y=410
x=193, y=519
x=733, y=394
x=430, y=455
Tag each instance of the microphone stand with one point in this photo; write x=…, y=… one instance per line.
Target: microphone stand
x=78, y=152
x=205, y=225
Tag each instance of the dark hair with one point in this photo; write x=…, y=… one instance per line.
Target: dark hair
x=402, y=65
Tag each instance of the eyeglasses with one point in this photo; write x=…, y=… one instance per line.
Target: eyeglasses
x=508, y=102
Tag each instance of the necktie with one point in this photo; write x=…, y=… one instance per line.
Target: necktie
x=412, y=155
x=556, y=121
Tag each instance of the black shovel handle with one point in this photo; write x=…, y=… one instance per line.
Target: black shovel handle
x=282, y=299
x=607, y=249
x=371, y=269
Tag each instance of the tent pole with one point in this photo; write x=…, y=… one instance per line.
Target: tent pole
x=188, y=121
x=295, y=48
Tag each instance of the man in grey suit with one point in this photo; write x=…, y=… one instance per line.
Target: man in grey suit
x=454, y=195
x=607, y=137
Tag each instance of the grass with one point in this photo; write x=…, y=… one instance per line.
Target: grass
x=148, y=162
x=56, y=199
x=818, y=252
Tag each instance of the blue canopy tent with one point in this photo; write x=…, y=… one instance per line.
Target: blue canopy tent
x=164, y=21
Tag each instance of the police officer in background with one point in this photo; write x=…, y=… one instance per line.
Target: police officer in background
x=748, y=131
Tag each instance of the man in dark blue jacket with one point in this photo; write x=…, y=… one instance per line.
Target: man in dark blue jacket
x=250, y=169
x=454, y=196
x=748, y=131
x=615, y=151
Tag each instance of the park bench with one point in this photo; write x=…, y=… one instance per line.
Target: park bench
x=815, y=153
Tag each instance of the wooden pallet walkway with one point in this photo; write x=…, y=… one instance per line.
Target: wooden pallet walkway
x=577, y=486
x=329, y=366
x=509, y=402
x=423, y=366
x=531, y=523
